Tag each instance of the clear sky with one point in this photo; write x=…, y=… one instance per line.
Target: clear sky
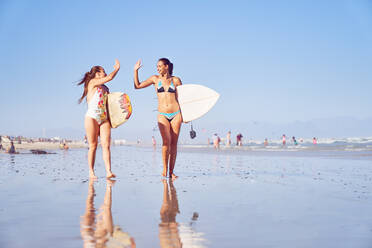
x=271, y=61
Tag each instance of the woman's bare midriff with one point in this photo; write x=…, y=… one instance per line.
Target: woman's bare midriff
x=167, y=102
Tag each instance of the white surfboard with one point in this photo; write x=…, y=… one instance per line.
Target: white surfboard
x=195, y=100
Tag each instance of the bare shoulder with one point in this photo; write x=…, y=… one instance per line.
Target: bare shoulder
x=154, y=78
x=177, y=81
x=91, y=84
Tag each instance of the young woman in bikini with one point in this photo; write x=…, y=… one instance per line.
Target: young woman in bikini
x=96, y=120
x=169, y=116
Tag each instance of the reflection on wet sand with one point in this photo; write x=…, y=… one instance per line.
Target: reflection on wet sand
x=168, y=228
x=99, y=230
x=171, y=233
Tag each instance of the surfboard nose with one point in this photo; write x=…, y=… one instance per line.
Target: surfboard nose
x=195, y=100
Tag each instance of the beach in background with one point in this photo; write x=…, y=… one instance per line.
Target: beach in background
x=236, y=197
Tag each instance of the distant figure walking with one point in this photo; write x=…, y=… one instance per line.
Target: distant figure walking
x=11, y=149
x=228, y=138
x=315, y=141
x=294, y=140
x=239, y=138
x=283, y=139
x=96, y=120
x=216, y=141
x=153, y=142
x=266, y=142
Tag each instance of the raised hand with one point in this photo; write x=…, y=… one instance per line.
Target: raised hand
x=137, y=65
x=117, y=65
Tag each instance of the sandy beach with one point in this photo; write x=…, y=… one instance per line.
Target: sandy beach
x=222, y=199
x=24, y=146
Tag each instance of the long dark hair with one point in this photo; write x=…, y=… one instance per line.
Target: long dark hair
x=87, y=77
x=168, y=63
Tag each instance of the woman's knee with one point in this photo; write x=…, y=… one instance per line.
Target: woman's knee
x=166, y=141
x=173, y=147
x=173, y=142
x=105, y=145
x=92, y=146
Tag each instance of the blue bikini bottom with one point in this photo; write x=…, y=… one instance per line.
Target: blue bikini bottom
x=169, y=116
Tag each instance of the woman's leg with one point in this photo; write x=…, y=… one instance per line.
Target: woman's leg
x=92, y=130
x=164, y=128
x=175, y=132
x=105, y=134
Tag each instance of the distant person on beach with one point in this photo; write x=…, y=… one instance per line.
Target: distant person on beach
x=239, y=141
x=216, y=141
x=266, y=142
x=11, y=148
x=96, y=120
x=169, y=116
x=315, y=141
x=294, y=141
x=284, y=139
x=228, y=138
x=153, y=142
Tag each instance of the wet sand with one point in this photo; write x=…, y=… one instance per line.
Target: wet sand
x=221, y=199
x=24, y=147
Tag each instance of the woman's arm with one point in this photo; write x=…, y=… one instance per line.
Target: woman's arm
x=137, y=83
x=177, y=81
x=109, y=77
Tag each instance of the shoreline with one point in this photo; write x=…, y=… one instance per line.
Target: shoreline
x=342, y=152
x=45, y=145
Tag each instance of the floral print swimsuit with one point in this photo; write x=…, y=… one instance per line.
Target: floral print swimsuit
x=97, y=106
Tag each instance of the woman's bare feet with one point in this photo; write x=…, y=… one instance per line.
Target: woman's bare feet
x=110, y=182
x=173, y=176
x=92, y=175
x=110, y=175
x=164, y=174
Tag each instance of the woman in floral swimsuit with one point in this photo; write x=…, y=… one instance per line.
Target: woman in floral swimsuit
x=96, y=121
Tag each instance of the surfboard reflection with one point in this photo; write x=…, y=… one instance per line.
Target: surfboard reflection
x=98, y=230
x=172, y=233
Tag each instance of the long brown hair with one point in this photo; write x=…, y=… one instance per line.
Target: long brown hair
x=87, y=77
x=169, y=64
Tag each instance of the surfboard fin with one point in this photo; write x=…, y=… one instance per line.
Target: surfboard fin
x=192, y=133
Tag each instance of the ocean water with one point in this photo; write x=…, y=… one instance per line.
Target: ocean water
x=351, y=148
x=235, y=197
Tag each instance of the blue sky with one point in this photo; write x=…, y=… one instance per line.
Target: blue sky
x=271, y=61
